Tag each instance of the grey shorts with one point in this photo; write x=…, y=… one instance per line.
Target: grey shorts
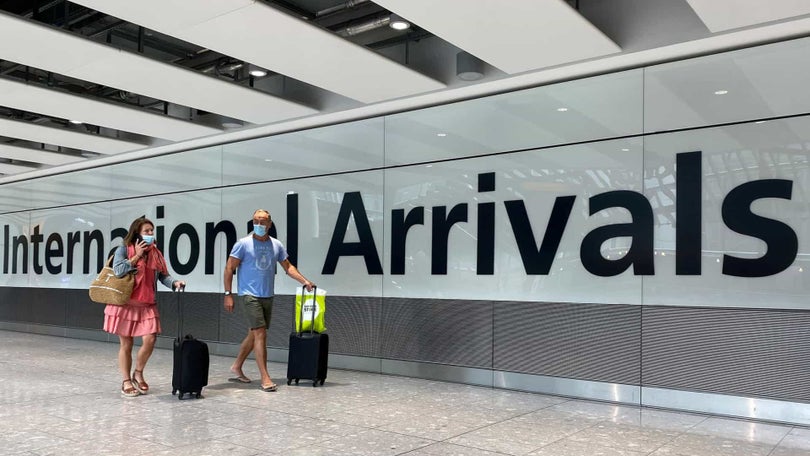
x=258, y=311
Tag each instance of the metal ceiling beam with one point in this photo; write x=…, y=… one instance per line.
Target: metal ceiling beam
x=41, y=100
x=254, y=32
x=65, y=138
x=84, y=59
x=44, y=157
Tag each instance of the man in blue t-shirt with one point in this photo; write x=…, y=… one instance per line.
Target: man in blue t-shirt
x=254, y=258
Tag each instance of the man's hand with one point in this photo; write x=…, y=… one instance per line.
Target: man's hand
x=228, y=303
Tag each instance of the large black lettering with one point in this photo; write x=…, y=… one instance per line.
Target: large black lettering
x=211, y=233
x=442, y=222
x=184, y=229
x=292, y=228
x=5, y=248
x=782, y=243
x=90, y=237
x=352, y=207
x=400, y=224
x=538, y=261
x=20, y=242
x=640, y=254
x=160, y=213
x=73, y=239
x=485, y=253
x=53, y=249
x=36, y=238
x=688, y=221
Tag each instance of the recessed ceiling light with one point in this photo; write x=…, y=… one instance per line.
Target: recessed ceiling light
x=720, y=92
x=76, y=122
x=441, y=135
x=398, y=23
x=760, y=122
x=258, y=73
x=625, y=150
x=562, y=109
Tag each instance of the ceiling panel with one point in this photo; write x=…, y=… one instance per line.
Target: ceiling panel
x=272, y=39
x=66, y=138
x=720, y=15
x=6, y=168
x=51, y=49
x=41, y=100
x=513, y=35
x=36, y=155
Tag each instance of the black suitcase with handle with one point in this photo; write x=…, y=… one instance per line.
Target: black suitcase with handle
x=309, y=351
x=191, y=360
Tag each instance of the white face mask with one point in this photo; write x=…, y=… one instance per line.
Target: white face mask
x=148, y=239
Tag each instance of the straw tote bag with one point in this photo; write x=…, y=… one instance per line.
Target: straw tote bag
x=109, y=289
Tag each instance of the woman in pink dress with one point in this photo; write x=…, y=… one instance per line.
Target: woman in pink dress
x=139, y=317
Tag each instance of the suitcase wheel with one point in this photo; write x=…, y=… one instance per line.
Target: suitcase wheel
x=289, y=380
x=180, y=396
x=174, y=391
x=199, y=395
x=322, y=380
x=296, y=381
x=315, y=383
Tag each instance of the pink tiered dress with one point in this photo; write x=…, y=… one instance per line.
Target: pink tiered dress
x=139, y=317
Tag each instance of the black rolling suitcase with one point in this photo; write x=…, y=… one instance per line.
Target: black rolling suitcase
x=190, y=360
x=309, y=352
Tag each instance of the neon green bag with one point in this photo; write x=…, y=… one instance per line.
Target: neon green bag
x=319, y=308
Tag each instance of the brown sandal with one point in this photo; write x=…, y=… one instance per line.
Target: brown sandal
x=129, y=392
x=141, y=386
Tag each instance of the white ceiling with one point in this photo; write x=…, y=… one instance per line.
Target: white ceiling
x=514, y=35
x=327, y=76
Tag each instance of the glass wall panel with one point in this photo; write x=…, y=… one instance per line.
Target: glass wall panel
x=325, y=217
x=86, y=186
x=733, y=159
x=65, y=245
x=748, y=84
x=14, y=229
x=201, y=168
x=337, y=148
x=14, y=197
x=181, y=229
x=594, y=108
x=444, y=260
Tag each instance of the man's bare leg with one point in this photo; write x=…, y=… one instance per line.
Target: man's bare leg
x=260, y=350
x=244, y=351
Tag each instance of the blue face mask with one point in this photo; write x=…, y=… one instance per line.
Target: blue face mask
x=148, y=239
x=259, y=230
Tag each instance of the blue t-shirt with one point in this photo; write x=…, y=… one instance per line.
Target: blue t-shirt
x=257, y=268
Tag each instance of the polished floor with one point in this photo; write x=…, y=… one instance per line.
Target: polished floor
x=61, y=397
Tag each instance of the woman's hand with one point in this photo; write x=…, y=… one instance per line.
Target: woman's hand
x=141, y=248
x=178, y=284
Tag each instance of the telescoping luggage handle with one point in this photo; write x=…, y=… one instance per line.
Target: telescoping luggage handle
x=180, y=289
x=314, y=304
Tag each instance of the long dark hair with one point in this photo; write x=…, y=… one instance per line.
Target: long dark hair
x=135, y=229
